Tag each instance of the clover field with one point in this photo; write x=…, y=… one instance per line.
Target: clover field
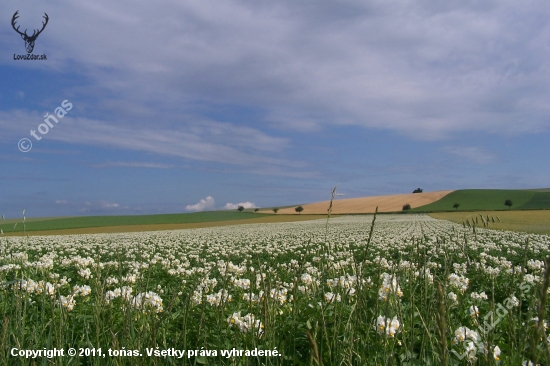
x=408, y=290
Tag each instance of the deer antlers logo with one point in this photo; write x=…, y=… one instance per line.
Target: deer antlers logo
x=29, y=40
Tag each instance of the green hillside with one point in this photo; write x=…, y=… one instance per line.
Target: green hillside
x=540, y=201
x=99, y=221
x=489, y=199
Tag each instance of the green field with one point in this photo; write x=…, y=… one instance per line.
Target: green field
x=106, y=221
x=489, y=199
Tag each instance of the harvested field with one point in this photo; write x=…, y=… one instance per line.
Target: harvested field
x=535, y=221
x=393, y=203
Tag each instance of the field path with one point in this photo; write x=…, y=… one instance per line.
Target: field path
x=391, y=203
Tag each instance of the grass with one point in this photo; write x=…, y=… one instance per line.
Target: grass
x=541, y=200
x=535, y=222
x=256, y=219
x=488, y=199
x=105, y=221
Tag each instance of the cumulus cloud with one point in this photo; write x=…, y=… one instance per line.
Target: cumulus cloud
x=203, y=205
x=234, y=206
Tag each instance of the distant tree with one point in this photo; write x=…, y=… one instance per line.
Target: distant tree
x=241, y=208
x=256, y=209
x=456, y=205
x=299, y=209
x=275, y=209
x=508, y=203
x=418, y=190
x=406, y=207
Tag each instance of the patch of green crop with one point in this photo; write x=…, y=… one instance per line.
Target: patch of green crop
x=479, y=199
x=98, y=221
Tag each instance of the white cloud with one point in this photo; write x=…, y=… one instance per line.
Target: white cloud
x=106, y=204
x=473, y=154
x=102, y=206
x=60, y=202
x=134, y=164
x=234, y=206
x=194, y=140
x=204, y=204
x=422, y=68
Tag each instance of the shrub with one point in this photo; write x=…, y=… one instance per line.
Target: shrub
x=406, y=207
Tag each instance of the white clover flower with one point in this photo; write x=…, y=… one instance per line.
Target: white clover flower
x=252, y=297
x=471, y=350
x=306, y=279
x=459, y=282
x=50, y=289
x=126, y=292
x=351, y=292
x=67, y=302
x=496, y=353
x=110, y=296
x=130, y=278
x=529, y=278
x=389, y=286
x=387, y=326
x=64, y=281
x=279, y=294
x=197, y=297
x=219, y=297
x=330, y=297
x=242, y=283
x=111, y=281
x=332, y=282
x=460, y=335
x=246, y=323
x=453, y=297
x=464, y=333
x=85, y=273
x=481, y=296
x=534, y=264
x=147, y=301
x=83, y=291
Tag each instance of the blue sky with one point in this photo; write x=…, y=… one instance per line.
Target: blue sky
x=181, y=106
